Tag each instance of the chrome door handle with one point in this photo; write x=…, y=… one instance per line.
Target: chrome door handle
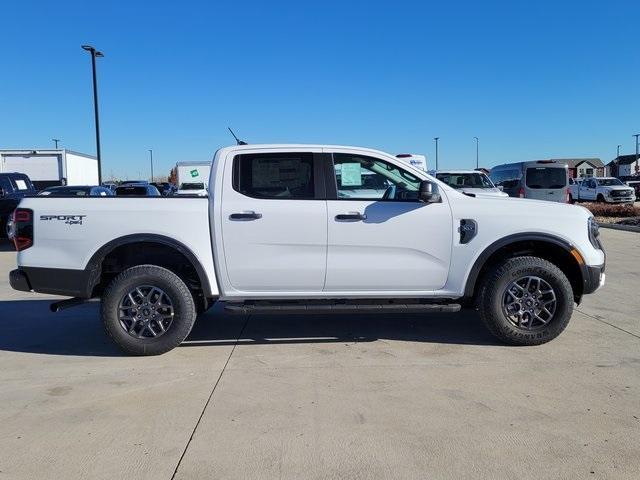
x=245, y=216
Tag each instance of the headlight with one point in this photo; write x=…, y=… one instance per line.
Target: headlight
x=594, y=233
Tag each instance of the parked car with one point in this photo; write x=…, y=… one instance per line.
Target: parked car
x=538, y=180
x=80, y=191
x=470, y=182
x=634, y=182
x=137, y=190
x=198, y=188
x=602, y=189
x=165, y=188
x=13, y=187
x=277, y=237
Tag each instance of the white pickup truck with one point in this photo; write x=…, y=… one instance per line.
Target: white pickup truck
x=600, y=189
x=284, y=230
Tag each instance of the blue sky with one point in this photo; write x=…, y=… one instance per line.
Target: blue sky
x=530, y=79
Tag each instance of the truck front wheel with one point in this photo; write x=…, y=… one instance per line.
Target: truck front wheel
x=147, y=310
x=525, y=301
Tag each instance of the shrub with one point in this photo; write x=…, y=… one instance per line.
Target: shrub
x=612, y=210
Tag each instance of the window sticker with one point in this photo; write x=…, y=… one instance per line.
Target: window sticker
x=351, y=175
x=21, y=184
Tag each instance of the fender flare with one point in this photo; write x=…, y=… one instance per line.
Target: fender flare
x=472, y=278
x=94, y=266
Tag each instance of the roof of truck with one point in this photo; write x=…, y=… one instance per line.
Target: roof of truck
x=266, y=146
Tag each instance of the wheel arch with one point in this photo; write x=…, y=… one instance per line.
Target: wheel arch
x=550, y=247
x=95, y=264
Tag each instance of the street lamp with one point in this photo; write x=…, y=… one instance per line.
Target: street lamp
x=95, y=53
x=55, y=140
x=436, y=139
x=151, y=159
x=477, y=153
x=618, y=151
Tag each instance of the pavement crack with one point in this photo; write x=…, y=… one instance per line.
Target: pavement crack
x=206, y=404
x=607, y=323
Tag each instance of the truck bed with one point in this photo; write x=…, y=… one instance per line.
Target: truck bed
x=69, y=231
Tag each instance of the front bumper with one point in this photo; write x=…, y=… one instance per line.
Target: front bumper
x=594, y=278
x=629, y=199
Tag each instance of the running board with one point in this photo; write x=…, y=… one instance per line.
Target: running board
x=296, y=308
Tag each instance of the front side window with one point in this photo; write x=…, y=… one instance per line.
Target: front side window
x=367, y=178
x=546, y=177
x=274, y=175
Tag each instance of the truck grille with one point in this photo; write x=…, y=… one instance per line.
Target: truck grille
x=620, y=193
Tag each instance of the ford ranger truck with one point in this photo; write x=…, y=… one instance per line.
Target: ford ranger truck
x=294, y=229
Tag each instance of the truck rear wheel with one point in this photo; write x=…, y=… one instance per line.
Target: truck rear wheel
x=147, y=310
x=525, y=301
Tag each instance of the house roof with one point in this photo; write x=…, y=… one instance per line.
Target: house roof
x=623, y=160
x=574, y=162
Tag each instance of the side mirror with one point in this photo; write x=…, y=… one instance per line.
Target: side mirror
x=1, y=192
x=426, y=193
x=501, y=188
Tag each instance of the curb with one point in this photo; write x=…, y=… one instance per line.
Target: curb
x=626, y=228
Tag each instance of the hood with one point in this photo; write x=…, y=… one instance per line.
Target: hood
x=490, y=192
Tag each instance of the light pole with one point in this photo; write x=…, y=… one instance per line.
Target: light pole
x=95, y=53
x=55, y=140
x=151, y=159
x=436, y=139
x=636, y=135
x=477, y=153
x=618, y=151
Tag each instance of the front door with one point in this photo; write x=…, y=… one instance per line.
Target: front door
x=381, y=237
x=274, y=223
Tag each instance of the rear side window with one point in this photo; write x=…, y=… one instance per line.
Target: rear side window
x=506, y=178
x=274, y=175
x=546, y=177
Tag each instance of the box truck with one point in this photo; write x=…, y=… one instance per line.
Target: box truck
x=192, y=172
x=47, y=168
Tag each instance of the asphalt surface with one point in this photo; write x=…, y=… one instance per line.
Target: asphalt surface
x=325, y=397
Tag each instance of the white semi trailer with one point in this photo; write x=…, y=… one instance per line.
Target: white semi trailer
x=47, y=168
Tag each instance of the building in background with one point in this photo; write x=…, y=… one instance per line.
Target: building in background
x=623, y=166
x=583, y=167
x=51, y=167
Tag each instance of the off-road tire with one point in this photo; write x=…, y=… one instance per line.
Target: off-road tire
x=181, y=298
x=491, y=293
x=600, y=198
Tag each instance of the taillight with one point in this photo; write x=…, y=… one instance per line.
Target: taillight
x=23, y=228
x=521, y=192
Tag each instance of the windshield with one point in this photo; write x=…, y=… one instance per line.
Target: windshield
x=465, y=180
x=192, y=186
x=546, y=177
x=609, y=182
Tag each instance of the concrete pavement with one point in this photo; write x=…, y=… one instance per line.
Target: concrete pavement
x=395, y=396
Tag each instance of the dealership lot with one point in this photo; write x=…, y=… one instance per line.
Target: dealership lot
x=395, y=396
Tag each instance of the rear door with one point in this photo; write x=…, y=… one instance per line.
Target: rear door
x=546, y=182
x=274, y=222
x=381, y=239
